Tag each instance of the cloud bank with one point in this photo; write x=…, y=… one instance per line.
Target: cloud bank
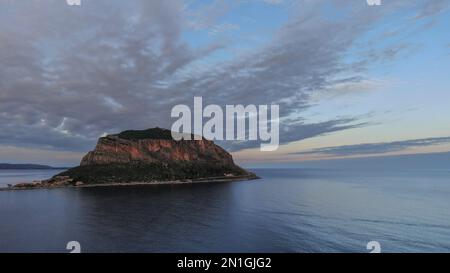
x=69, y=75
x=376, y=148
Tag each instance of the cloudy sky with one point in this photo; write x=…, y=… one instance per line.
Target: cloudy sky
x=351, y=80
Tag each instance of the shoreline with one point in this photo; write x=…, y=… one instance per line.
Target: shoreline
x=223, y=179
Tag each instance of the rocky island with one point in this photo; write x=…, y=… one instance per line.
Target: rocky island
x=148, y=157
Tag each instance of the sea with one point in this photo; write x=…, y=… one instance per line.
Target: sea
x=288, y=210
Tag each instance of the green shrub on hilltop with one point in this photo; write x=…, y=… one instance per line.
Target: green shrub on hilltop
x=154, y=133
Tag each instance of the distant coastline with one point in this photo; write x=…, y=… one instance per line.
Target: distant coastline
x=8, y=166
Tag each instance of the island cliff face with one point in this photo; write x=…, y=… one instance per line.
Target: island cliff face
x=116, y=150
x=149, y=156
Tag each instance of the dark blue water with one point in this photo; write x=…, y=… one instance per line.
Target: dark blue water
x=288, y=210
x=20, y=176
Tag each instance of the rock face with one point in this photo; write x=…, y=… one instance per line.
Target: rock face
x=151, y=156
x=154, y=146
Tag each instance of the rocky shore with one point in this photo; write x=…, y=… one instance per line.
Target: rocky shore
x=68, y=183
x=55, y=182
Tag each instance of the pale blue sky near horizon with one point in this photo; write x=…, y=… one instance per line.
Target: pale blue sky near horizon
x=344, y=73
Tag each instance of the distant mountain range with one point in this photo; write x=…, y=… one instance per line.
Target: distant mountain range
x=7, y=166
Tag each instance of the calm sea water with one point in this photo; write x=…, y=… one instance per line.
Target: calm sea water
x=19, y=176
x=290, y=210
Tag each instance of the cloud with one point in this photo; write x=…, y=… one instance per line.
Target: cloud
x=432, y=8
x=207, y=15
x=68, y=75
x=224, y=27
x=39, y=156
x=273, y=2
x=376, y=148
x=300, y=130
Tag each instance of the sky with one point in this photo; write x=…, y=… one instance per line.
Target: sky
x=352, y=80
